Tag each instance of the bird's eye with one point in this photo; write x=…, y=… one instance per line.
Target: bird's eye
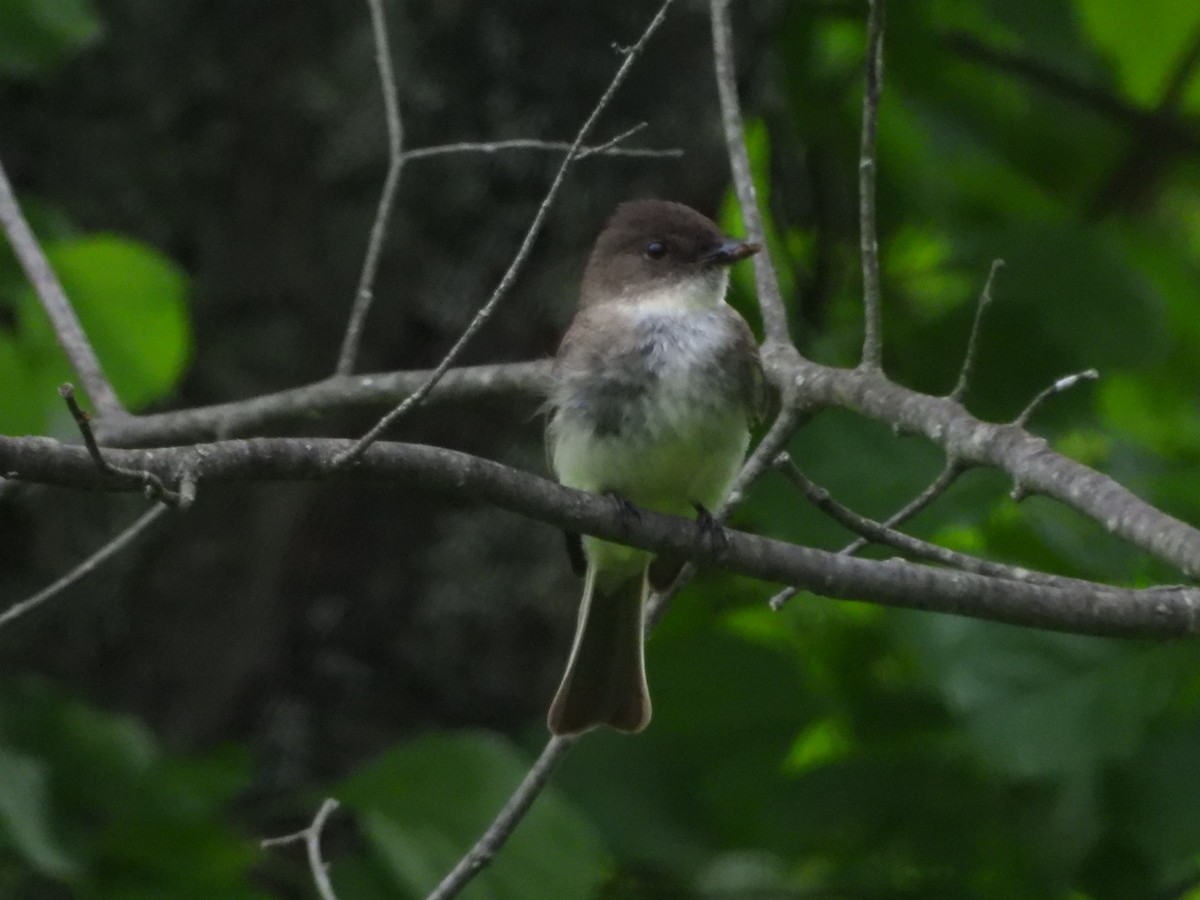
x=656, y=250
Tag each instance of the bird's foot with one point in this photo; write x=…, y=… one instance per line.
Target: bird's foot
x=626, y=511
x=710, y=530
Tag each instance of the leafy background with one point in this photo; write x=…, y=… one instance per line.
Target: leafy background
x=203, y=176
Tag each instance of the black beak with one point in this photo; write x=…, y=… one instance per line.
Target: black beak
x=729, y=252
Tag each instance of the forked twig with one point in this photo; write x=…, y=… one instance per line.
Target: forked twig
x=949, y=474
x=518, y=262
x=311, y=836
x=878, y=533
x=365, y=292
x=152, y=484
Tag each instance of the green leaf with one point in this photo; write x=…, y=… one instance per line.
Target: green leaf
x=1160, y=788
x=36, y=36
x=139, y=822
x=130, y=300
x=1144, y=43
x=425, y=803
x=26, y=816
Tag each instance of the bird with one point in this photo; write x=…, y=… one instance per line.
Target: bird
x=655, y=386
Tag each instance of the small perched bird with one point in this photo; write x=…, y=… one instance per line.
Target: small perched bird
x=655, y=386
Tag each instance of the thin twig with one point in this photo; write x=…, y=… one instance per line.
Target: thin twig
x=1065, y=383
x=878, y=533
x=949, y=474
x=518, y=262
x=534, y=144
x=365, y=292
x=968, y=364
x=109, y=550
x=151, y=483
x=311, y=836
x=50, y=291
x=506, y=820
x=770, y=298
x=869, y=239
x=585, y=152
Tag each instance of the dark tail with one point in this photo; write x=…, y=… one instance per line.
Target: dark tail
x=605, y=682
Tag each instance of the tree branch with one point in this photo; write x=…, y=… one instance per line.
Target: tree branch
x=344, y=392
x=149, y=482
x=365, y=292
x=355, y=451
x=67, y=328
x=1028, y=459
x=949, y=474
x=968, y=365
x=1102, y=610
x=1063, y=384
x=311, y=836
x=872, y=353
x=608, y=148
x=878, y=533
x=770, y=298
x=939, y=486
x=506, y=820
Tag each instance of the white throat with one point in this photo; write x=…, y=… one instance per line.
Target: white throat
x=685, y=295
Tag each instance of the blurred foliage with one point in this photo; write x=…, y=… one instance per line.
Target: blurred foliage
x=88, y=800
x=130, y=302
x=834, y=749
x=36, y=36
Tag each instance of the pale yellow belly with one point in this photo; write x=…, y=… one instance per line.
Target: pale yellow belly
x=669, y=475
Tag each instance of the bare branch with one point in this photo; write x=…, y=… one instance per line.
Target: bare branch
x=510, y=276
x=311, y=836
x=945, y=478
x=968, y=365
x=149, y=482
x=609, y=148
x=879, y=533
x=365, y=292
x=506, y=820
x=1101, y=610
x=1065, y=383
x=937, y=487
x=770, y=298
x=1038, y=469
x=872, y=355
x=242, y=417
x=89, y=565
x=54, y=300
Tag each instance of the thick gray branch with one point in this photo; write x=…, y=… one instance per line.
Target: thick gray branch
x=1028, y=459
x=244, y=417
x=1162, y=612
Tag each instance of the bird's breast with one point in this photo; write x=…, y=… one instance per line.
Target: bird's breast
x=649, y=413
